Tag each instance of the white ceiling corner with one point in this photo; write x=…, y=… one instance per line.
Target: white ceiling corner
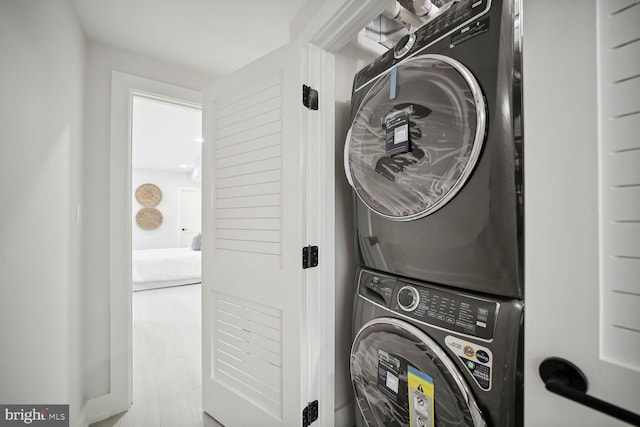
x=212, y=36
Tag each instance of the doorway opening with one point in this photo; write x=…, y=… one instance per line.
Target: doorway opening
x=166, y=155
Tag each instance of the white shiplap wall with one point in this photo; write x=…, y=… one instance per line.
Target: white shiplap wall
x=619, y=157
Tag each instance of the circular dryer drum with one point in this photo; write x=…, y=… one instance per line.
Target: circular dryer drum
x=416, y=137
x=402, y=377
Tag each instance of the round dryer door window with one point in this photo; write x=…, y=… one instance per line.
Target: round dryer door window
x=402, y=377
x=416, y=137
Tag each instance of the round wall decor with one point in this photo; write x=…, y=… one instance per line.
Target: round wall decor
x=149, y=218
x=148, y=195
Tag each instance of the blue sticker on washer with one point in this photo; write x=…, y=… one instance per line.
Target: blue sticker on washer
x=393, y=83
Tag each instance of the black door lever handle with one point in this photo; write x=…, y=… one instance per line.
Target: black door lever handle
x=566, y=379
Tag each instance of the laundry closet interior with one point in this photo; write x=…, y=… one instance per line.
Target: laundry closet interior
x=425, y=224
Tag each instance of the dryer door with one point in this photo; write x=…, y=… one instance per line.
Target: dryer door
x=416, y=137
x=401, y=377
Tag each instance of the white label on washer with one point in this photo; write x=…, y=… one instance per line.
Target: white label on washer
x=477, y=359
x=392, y=382
x=388, y=374
x=401, y=134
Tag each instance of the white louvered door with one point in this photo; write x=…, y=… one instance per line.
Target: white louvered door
x=255, y=201
x=619, y=142
x=581, y=96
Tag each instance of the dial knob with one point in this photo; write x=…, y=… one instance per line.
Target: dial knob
x=404, y=45
x=408, y=298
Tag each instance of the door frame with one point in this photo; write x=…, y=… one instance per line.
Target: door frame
x=328, y=25
x=123, y=88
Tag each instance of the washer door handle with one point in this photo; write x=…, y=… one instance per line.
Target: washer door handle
x=566, y=379
x=347, y=167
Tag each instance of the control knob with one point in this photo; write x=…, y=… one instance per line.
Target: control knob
x=404, y=45
x=408, y=298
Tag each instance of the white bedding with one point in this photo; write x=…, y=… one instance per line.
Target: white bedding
x=170, y=265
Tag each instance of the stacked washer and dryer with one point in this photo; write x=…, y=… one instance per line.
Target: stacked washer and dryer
x=434, y=156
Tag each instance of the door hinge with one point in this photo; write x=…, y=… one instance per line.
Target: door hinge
x=309, y=97
x=310, y=413
x=309, y=256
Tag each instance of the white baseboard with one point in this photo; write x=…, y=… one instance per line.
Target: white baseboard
x=98, y=409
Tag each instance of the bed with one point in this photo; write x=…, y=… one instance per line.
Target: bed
x=161, y=268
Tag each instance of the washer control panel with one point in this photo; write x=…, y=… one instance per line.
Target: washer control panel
x=431, y=304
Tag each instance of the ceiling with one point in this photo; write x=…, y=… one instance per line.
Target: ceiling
x=165, y=136
x=215, y=37
x=212, y=36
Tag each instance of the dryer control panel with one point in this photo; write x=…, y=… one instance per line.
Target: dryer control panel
x=460, y=14
x=431, y=304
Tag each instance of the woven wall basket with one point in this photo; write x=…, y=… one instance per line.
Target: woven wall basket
x=148, y=195
x=149, y=218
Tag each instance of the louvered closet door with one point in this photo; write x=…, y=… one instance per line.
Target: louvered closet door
x=582, y=203
x=254, y=229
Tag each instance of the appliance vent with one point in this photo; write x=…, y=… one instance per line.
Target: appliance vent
x=248, y=173
x=247, y=351
x=619, y=156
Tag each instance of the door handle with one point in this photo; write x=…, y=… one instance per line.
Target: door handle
x=566, y=379
x=185, y=229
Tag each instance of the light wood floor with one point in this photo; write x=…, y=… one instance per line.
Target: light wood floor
x=167, y=354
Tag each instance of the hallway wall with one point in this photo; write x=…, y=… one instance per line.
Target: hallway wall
x=101, y=61
x=170, y=183
x=41, y=111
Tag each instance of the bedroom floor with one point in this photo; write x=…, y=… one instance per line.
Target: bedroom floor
x=167, y=349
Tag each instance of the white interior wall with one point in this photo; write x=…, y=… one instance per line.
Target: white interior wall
x=41, y=81
x=101, y=61
x=167, y=235
x=348, y=61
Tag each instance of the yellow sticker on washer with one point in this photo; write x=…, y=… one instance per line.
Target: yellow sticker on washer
x=421, y=404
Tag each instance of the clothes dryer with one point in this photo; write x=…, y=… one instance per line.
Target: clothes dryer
x=434, y=152
x=424, y=355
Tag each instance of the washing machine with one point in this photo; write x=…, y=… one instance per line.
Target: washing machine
x=434, y=152
x=424, y=355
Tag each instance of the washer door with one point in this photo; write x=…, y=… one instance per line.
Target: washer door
x=392, y=365
x=406, y=179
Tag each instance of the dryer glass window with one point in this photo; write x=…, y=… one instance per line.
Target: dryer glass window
x=416, y=137
x=388, y=358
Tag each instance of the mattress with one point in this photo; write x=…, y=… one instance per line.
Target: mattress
x=165, y=267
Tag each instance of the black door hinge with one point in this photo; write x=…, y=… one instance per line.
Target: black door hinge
x=310, y=413
x=309, y=256
x=309, y=97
